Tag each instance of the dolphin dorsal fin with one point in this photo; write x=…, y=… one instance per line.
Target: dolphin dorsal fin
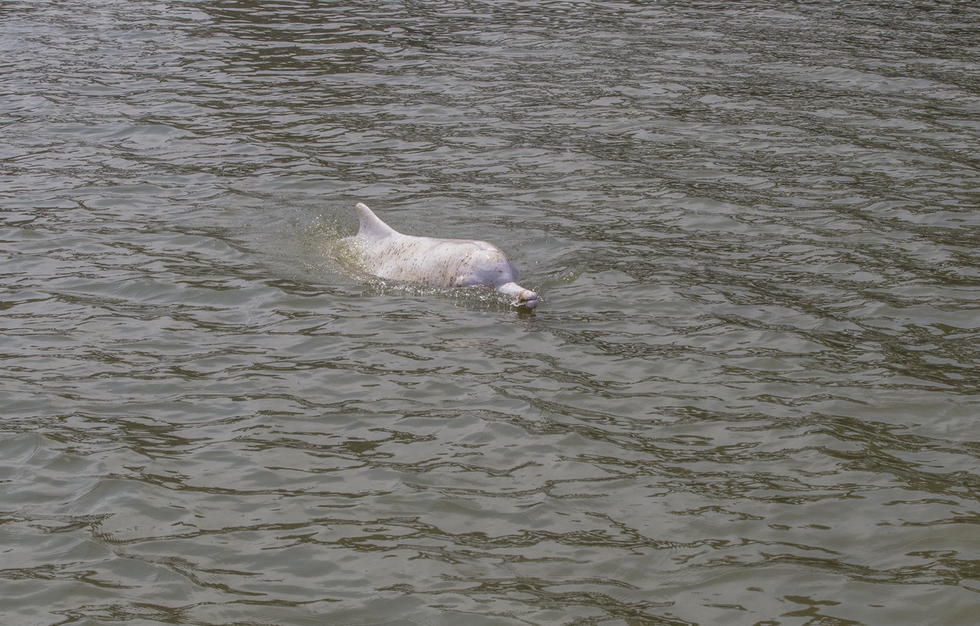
x=370, y=225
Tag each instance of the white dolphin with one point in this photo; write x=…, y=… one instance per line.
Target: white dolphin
x=387, y=253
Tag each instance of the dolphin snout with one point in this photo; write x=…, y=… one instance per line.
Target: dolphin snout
x=527, y=299
x=521, y=296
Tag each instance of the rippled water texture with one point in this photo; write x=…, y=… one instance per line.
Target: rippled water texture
x=750, y=393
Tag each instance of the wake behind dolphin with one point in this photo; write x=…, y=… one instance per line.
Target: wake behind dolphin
x=387, y=253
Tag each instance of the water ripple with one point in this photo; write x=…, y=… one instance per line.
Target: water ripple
x=749, y=393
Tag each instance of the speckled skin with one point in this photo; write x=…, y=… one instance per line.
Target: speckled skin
x=386, y=253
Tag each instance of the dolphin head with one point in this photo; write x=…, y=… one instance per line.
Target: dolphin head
x=521, y=296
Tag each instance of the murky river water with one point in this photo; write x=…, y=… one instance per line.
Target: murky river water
x=750, y=394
